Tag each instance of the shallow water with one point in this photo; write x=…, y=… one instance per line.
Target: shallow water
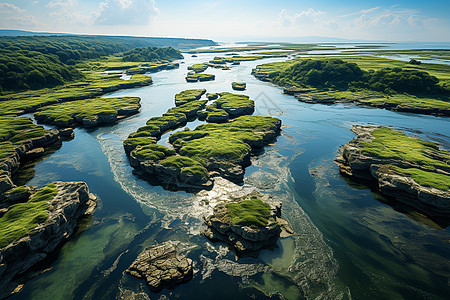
x=350, y=242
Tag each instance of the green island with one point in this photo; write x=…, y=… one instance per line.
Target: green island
x=195, y=158
x=412, y=170
x=363, y=80
x=21, y=218
x=198, y=68
x=238, y=86
x=195, y=77
x=247, y=223
x=88, y=112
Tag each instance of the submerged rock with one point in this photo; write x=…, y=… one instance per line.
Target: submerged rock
x=247, y=238
x=71, y=202
x=161, y=266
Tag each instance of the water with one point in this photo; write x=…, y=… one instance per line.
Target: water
x=350, y=242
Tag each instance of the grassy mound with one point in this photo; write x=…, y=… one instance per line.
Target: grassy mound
x=253, y=213
x=198, y=68
x=76, y=111
x=21, y=218
x=188, y=96
x=239, y=86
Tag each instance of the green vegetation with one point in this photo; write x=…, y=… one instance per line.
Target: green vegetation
x=239, y=86
x=431, y=179
x=14, y=132
x=23, y=70
x=78, y=111
x=154, y=152
x=198, y=68
x=188, y=96
x=194, y=77
x=397, y=145
x=94, y=85
x=21, y=218
x=366, y=80
x=152, y=54
x=189, y=109
x=236, y=138
x=253, y=213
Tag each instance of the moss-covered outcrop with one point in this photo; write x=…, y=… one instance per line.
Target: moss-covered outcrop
x=239, y=86
x=194, y=77
x=198, y=68
x=209, y=150
x=414, y=171
x=188, y=96
x=88, y=112
x=248, y=223
x=151, y=68
x=31, y=230
x=20, y=141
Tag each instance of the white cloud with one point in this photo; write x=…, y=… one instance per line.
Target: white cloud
x=68, y=12
x=126, y=12
x=12, y=15
x=304, y=17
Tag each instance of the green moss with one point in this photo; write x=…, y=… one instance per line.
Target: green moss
x=431, y=179
x=154, y=152
x=240, y=86
x=253, y=212
x=77, y=111
x=140, y=141
x=397, y=145
x=192, y=77
x=188, y=96
x=178, y=161
x=21, y=218
x=198, y=68
x=18, y=190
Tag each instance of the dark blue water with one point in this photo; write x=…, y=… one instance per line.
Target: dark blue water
x=350, y=242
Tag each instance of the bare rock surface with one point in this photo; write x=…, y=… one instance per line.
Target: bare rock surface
x=161, y=266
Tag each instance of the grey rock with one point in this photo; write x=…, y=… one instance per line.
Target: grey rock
x=161, y=266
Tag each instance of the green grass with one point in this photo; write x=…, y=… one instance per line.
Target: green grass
x=431, y=179
x=253, y=212
x=94, y=85
x=198, y=68
x=369, y=97
x=14, y=132
x=169, y=120
x=154, y=152
x=188, y=96
x=397, y=145
x=200, y=77
x=76, y=111
x=238, y=86
x=21, y=218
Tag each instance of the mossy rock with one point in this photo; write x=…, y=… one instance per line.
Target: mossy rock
x=239, y=86
x=188, y=96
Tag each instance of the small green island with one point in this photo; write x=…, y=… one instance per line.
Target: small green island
x=196, y=158
x=195, y=77
x=239, y=86
x=414, y=171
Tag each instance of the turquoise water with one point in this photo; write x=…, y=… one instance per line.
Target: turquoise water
x=350, y=242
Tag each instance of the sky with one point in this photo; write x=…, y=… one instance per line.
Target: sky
x=412, y=20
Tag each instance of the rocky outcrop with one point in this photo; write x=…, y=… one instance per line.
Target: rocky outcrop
x=161, y=266
x=28, y=150
x=354, y=162
x=71, y=202
x=247, y=240
x=169, y=177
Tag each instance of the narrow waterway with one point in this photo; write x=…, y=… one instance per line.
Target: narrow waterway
x=350, y=242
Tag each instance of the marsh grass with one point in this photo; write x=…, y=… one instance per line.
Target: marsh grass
x=21, y=218
x=253, y=213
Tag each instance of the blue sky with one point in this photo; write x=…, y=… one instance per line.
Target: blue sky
x=235, y=20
